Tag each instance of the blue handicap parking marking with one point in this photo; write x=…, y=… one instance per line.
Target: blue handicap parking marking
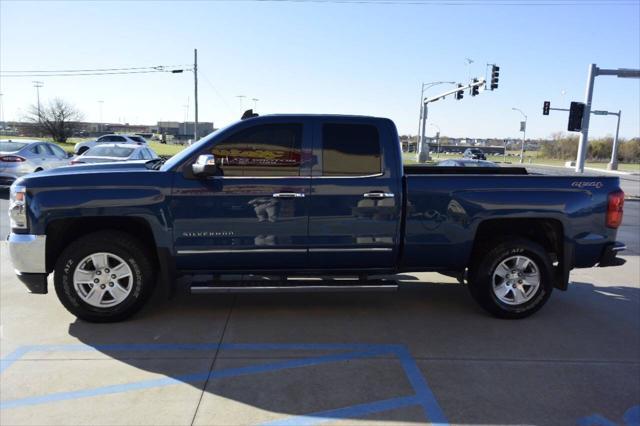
x=423, y=396
x=631, y=417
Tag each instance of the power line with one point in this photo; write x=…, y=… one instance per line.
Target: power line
x=156, y=67
x=454, y=2
x=91, y=73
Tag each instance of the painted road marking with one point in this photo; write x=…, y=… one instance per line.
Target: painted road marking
x=423, y=396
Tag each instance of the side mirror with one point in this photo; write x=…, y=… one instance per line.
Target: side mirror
x=70, y=154
x=205, y=166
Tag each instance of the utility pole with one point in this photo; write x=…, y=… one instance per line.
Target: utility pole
x=523, y=129
x=593, y=72
x=38, y=85
x=195, y=89
x=100, y=104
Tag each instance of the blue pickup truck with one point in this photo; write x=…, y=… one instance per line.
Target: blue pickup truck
x=304, y=203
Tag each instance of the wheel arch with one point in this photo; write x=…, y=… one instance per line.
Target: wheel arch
x=61, y=232
x=547, y=232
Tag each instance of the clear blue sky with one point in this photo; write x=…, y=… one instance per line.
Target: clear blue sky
x=326, y=58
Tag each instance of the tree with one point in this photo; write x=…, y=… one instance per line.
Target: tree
x=58, y=119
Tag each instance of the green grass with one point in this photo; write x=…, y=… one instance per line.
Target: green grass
x=159, y=148
x=166, y=149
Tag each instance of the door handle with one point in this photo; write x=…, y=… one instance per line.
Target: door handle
x=378, y=195
x=288, y=195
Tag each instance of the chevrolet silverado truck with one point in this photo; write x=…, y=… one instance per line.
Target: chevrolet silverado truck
x=304, y=203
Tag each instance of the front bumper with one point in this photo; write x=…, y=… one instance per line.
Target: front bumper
x=29, y=261
x=609, y=254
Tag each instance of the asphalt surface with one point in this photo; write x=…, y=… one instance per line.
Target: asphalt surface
x=630, y=183
x=424, y=354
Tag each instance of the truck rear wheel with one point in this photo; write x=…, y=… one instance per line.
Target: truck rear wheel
x=105, y=276
x=513, y=279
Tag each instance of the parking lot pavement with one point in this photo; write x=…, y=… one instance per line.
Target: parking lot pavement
x=629, y=182
x=424, y=354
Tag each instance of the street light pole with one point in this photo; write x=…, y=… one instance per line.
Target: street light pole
x=240, y=98
x=524, y=134
x=614, y=150
x=255, y=103
x=423, y=114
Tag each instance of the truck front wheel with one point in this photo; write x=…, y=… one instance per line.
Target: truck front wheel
x=512, y=279
x=105, y=276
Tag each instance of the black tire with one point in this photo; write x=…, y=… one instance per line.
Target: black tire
x=119, y=244
x=481, y=277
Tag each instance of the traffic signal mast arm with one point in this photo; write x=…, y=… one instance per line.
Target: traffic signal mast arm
x=478, y=83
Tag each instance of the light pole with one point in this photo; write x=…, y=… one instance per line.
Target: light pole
x=255, y=103
x=437, y=138
x=423, y=118
x=240, y=98
x=523, y=129
x=613, y=165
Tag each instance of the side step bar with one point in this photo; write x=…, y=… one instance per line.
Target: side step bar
x=298, y=286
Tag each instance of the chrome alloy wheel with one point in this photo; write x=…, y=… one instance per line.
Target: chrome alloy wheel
x=516, y=280
x=103, y=280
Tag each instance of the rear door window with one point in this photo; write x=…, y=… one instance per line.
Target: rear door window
x=350, y=150
x=57, y=151
x=265, y=150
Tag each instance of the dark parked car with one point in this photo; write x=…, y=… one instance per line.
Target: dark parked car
x=467, y=163
x=290, y=196
x=474, y=154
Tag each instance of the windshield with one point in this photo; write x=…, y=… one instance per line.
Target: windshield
x=11, y=146
x=109, y=151
x=186, y=153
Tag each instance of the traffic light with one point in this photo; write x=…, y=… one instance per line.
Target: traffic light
x=495, y=76
x=459, y=93
x=475, y=89
x=576, y=111
x=545, y=107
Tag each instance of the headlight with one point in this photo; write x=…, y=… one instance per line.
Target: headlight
x=17, y=207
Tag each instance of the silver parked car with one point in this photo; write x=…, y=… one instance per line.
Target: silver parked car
x=21, y=157
x=107, y=153
x=82, y=147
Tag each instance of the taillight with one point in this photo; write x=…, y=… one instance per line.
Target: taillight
x=76, y=162
x=614, y=209
x=12, y=159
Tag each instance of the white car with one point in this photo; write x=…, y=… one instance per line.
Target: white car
x=82, y=147
x=108, y=153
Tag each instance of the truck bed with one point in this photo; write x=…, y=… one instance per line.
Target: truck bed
x=434, y=170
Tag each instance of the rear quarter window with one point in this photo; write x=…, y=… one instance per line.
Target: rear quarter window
x=350, y=150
